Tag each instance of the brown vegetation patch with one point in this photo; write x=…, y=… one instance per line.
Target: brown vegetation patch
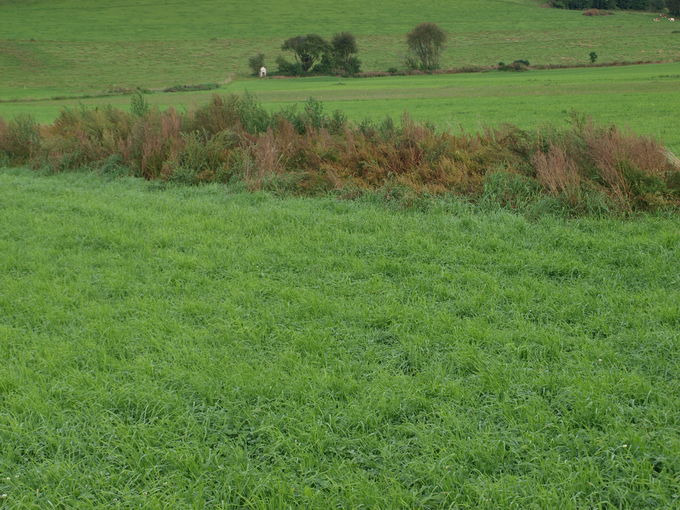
x=308, y=151
x=597, y=12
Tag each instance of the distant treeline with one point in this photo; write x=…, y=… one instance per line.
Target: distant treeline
x=639, y=5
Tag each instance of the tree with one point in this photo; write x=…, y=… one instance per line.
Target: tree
x=309, y=50
x=344, y=53
x=255, y=63
x=673, y=7
x=426, y=42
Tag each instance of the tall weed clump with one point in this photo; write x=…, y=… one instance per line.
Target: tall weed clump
x=155, y=142
x=4, y=156
x=584, y=168
x=632, y=171
x=20, y=139
x=82, y=137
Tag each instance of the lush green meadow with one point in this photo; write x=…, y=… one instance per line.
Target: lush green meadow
x=54, y=47
x=208, y=347
x=193, y=348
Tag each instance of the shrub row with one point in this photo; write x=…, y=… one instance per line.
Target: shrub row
x=307, y=151
x=638, y=5
x=192, y=88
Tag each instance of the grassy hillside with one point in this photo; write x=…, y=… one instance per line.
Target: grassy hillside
x=194, y=348
x=645, y=98
x=87, y=45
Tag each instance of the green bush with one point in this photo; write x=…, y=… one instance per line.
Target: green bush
x=192, y=88
x=510, y=190
x=517, y=65
x=674, y=182
x=138, y=105
x=114, y=166
x=255, y=63
x=425, y=42
x=287, y=68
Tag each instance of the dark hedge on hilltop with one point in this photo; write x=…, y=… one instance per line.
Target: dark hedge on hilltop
x=638, y=5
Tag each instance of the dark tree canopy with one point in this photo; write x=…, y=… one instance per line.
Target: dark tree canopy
x=426, y=42
x=638, y=5
x=255, y=63
x=344, y=45
x=309, y=50
x=673, y=7
x=344, y=53
x=315, y=55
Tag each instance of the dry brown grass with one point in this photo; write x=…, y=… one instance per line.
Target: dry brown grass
x=266, y=154
x=614, y=152
x=558, y=173
x=597, y=12
x=4, y=146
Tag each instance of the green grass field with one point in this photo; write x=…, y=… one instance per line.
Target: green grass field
x=208, y=347
x=192, y=348
x=55, y=47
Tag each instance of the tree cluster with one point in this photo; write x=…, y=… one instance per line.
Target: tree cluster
x=314, y=55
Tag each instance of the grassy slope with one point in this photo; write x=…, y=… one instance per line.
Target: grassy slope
x=49, y=47
x=193, y=347
x=645, y=98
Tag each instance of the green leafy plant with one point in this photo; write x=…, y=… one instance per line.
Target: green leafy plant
x=426, y=42
x=138, y=104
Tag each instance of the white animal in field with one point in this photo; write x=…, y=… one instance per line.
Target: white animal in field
x=263, y=72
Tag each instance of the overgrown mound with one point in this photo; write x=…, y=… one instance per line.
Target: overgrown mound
x=308, y=152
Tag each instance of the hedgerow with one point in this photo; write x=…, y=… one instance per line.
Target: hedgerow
x=310, y=151
x=639, y=5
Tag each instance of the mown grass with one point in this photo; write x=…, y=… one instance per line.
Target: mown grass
x=191, y=348
x=86, y=46
x=644, y=98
